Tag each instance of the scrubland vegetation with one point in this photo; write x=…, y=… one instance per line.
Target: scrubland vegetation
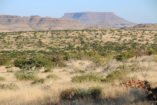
x=79, y=67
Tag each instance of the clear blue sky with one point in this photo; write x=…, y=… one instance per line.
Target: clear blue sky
x=139, y=11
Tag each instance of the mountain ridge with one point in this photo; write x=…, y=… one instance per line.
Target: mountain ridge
x=70, y=21
x=33, y=23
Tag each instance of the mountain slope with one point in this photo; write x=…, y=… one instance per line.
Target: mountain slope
x=98, y=19
x=146, y=26
x=17, y=23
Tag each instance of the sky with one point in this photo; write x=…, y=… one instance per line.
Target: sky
x=137, y=11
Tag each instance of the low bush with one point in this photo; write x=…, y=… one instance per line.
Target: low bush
x=4, y=60
x=87, y=78
x=10, y=86
x=26, y=75
x=48, y=70
x=77, y=70
x=116, y=75
x=10, y=70
x=38, y=81
x=73, y=94
x=151, y=52
x=2, y=78
x=52, y=76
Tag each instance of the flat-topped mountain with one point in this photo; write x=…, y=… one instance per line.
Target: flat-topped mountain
x=98, y=19
x=17, y=23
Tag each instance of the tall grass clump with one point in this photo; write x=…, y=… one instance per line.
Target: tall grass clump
x=26, y=75
x=116, y=75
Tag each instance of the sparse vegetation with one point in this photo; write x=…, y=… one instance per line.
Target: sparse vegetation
x=87, y=78
x=76, y=60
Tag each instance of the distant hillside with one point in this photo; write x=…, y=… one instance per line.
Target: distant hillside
x=146, y=26
x=98, y=19
x=97, y=28
x=17, y=23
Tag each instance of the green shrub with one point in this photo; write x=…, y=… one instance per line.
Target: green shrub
x=26, y=75
x=87, y=78
x=37, y=61
x=10, y=70
x=48, y=70
x=4, y=60
x=38, y=81
x=150, y=52
x=77, y=70
x=95, y=92
x=116, y=75
x=10, y=86
x=52, y=76
x=2, y=78
x=125, y=55
x=73, y=94
x=97, y=58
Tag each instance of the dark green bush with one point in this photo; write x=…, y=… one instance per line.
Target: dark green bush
x=73, y=94
x=151, y=52
x=37, y=61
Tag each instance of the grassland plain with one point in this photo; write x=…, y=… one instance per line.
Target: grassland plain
x=66, y=67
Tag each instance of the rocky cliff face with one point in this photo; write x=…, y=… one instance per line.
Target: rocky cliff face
x=98, y=19
x=17, y=23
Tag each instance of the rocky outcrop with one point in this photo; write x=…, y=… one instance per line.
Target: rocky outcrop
x=144, y=85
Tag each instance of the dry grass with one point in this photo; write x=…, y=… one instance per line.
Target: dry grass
x=49, y=91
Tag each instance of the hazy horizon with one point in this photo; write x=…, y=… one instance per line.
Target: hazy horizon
x=137, y=11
